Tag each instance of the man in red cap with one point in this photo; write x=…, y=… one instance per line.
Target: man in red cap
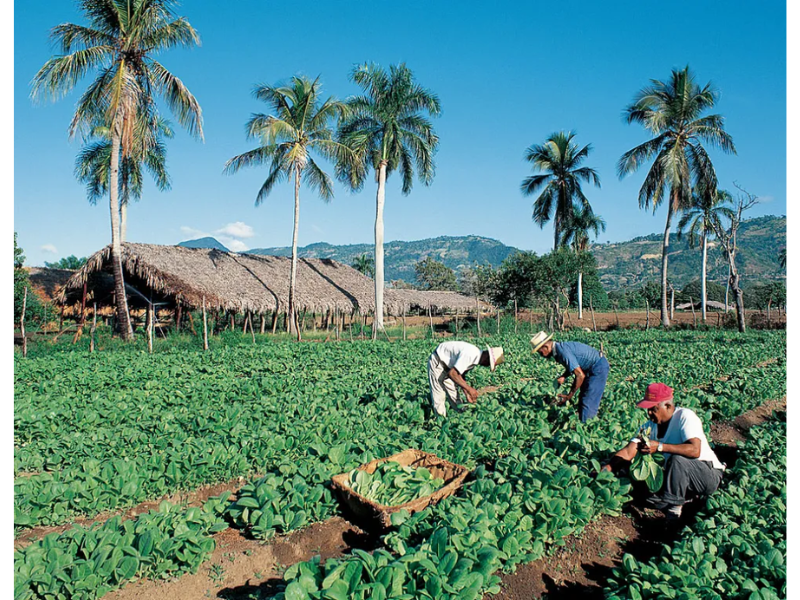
x=690, y=465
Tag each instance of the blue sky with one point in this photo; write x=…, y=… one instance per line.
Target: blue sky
x=508, y=75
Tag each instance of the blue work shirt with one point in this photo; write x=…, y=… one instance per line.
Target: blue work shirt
x=575, y=354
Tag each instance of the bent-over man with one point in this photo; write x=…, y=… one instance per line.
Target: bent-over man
x=448, y=365
x=691, y=468
x=589, y=367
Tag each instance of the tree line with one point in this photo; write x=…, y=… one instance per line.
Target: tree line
x=384, y=129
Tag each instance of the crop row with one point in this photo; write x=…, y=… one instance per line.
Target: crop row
x=737, y=547
x=210, y=430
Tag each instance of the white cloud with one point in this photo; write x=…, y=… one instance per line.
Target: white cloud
x=49, y=248
x=233, y=244
x=236, y=230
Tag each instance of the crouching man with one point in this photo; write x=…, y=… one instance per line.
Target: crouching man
x=691, y=468
x=448, y=365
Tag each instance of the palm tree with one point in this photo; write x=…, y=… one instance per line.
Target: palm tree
x=364, y=264
x=93, y=163
x=300, y=124
x=119, y=44
x=702, y=218
x=576, y=234
x=672, y=111
x=559, y=158
x=386, y=127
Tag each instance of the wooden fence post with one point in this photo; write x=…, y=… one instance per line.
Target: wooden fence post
x=205, y=326
x=22, y=323
x=404, y=321
x=430, y=318
x=478, y=310
x=647, y=307
x=94, y=327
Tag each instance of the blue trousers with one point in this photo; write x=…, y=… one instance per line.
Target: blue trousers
x=592, y=390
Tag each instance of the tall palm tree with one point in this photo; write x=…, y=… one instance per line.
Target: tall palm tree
x=559, y=158
x=702, y=218
x=576, y=234
x=300, y=124
x=119, y=44
x=672, y=112
x=386, y=127
x=93, y=163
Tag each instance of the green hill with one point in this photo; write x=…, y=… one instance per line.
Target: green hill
x=400, y=257
x=206, y=242
x=631, y=263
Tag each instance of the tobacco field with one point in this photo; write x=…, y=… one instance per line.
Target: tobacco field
x=104, y=432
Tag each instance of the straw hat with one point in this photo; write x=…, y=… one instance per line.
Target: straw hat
x=538, y=340
x=495, y=356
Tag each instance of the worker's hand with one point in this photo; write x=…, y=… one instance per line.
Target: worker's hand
x=561, y=380
x=563, y=398
x=606, y=467
x=650, y=447
x=472, y=395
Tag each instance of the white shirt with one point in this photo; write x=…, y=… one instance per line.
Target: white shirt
x=683, y=426
x=461, y=356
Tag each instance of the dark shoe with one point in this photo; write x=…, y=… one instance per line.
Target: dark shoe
x=656, y=501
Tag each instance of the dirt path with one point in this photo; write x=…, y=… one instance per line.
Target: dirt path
x=582, y=566
x=239, y=566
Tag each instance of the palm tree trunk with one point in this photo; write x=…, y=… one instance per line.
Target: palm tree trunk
x=123, y=221
x=123, y=318
x=703, y=291
x=580, y=295
x=381, y=196
x=664, y=258
x=292, y=325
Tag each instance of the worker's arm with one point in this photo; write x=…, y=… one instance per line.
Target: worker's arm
x=690, y=448
x=469, y=391
x=576, y=384
x=626, y=455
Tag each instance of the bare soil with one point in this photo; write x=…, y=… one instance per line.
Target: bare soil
x=240, y=566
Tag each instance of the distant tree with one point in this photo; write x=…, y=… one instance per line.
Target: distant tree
x=651, y=292
x=479, y=281
x=706, y=210
x=559, y=159
x=782, y=258
x=22, y=281
x=727, y=237
x=766, y=295
x=387, y=128
x=693, y=291
x=299, y=126
x=673, y=112
x=435, y=275
x=576, y=234
x=365, y=265
x=70, y=262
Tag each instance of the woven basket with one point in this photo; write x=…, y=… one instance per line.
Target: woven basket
x=452, y=474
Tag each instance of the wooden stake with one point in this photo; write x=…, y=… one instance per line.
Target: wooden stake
x=94, y=327
x=430, y=318
x=647, y=307
x=263, y=323
x=404, y=322
x=150, y=328
x=205, y=326
x=252, y=331
x=244, y=323
x=275, y=314
x=478, y=309
x=178, y=316
x=22, y=323
x=350, y=328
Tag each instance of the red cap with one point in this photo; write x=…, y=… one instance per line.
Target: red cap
x=655, y=394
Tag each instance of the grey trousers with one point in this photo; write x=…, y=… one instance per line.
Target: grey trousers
x=688, y=476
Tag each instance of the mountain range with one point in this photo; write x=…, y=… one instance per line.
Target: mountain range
x=620, y=265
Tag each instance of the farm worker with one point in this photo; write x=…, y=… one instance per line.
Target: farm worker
x=690, y=465
x=589, y=367
x=448, y=365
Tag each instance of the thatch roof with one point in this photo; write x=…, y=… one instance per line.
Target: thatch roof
x=47, y=282
x=246, y=282
x=712, y=304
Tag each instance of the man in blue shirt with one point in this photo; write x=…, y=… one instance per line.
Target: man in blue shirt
x=589, y=367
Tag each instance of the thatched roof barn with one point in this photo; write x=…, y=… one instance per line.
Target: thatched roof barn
x=710, y=304
x=240, y=282
x=46, y=283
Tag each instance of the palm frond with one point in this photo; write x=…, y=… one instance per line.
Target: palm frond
x=178, y=97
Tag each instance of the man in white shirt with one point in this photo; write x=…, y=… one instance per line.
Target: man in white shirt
x=448, y=365
x=690, y=465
